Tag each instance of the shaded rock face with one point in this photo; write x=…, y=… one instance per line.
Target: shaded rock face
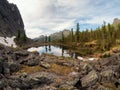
x=10, y=19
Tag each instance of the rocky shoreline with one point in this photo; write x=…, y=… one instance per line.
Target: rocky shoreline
x=22, y=70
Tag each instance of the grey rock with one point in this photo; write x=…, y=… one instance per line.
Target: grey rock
x=45, y=65
x=110, y=73
x=14, y=67
x=41, y=79
x=6, y=68
x=18, y=84
x=22, y=53
x=89, y=79
x=2, y=83
x=31, y=60
x=87, y=68
x=1, y=65
x=113, y=60
x=31, y=81
x=66, y=87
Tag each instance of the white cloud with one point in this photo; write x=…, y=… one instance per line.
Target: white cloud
x=32, y=32
x=47, y=16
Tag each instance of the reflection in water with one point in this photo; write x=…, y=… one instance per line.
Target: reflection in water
x=46, y=48
x=62, y=51
x=49, y=48
x=58, y=51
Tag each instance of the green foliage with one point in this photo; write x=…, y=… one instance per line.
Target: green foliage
x=63, y=38
x=18, y=35
x=72, y=35
x=46, y=39
x=24, y=37
x=106, y=37
x=49, y=39
x=77, y=32
x=21, y=37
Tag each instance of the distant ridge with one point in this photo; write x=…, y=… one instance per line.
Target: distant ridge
x=54, y=36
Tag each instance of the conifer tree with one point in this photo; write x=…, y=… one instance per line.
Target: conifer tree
x=24, y=37
x=77, y=32
x=46, y=39
x=72, y=35
x=63, y=38
x=49, y=39
x=18, y=35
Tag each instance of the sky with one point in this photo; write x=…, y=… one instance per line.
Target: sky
x=43, y=17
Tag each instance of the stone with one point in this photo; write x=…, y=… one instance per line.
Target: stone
x=90, y=79
x=41, y=79
x=87, y=68
x=45, y=65
x=66, y=87
x=1, y=65
x=22, y=53
x=2, y=83
x=78, y=85
x=14, y=67
x=110, y=73
x=6, y=68
x=25, y=82
x=30, y=60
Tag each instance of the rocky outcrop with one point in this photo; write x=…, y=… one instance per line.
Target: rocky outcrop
x=116, y=21
x=10, y=19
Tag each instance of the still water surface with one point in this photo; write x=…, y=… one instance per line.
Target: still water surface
x=55, y=50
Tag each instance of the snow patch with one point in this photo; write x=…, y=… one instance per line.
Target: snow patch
x=91, y=59
x=80, y=58
x=8, y=41
x=87, y=59
x=32, y=49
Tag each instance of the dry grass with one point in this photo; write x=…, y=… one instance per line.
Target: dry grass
x=63, y=70
x=110, y=85
x=115, y=49
x=30, y=70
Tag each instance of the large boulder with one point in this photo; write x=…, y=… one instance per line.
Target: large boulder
x=90, y=79
x=6, y=68
x=31, y=81
x=3, y=83
x=45, y=65
x=31, y=60
x=41, y=79
x=87, y=68
x=14, y=67
x=1, y=65
x=22, y=53
x=113, y=60
x=110, y=73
